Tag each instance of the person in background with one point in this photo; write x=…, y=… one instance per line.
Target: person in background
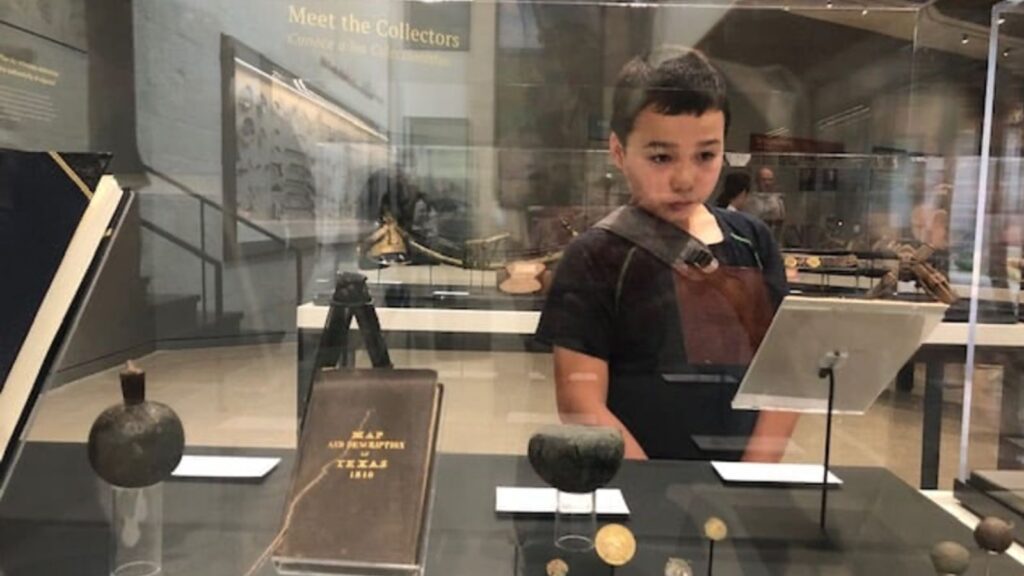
x=766, y=180
x=736, y=192
x=929, y=219
x=767, y=203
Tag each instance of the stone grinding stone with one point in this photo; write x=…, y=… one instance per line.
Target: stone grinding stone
x=576, y=459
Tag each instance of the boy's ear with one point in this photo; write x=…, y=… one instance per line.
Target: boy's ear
x=616, y=150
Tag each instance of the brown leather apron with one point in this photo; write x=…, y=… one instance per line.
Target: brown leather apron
x=723, y=314
x=724, y=311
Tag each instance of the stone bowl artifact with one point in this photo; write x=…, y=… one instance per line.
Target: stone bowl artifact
x=576, y=459
x=137, y=443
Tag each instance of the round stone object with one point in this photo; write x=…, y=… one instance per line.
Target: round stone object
x=137, y=443
x=950, y=558
x=994, y=534
x=576, y=459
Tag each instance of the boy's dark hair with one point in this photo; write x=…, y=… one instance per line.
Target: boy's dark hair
x=673, y=80
x=736, y=183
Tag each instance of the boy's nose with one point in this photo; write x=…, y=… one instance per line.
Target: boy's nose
x=682, y=177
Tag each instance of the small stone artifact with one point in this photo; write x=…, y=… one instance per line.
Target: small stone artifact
x=137, y=443
x=715, y=529
x=576, y=459
x=950, y=558
x=994, y=535
x=557, y=567
x=615, y=544
x=678, y=567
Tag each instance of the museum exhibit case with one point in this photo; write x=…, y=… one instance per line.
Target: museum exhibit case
x=989, y=474
x=560, y=287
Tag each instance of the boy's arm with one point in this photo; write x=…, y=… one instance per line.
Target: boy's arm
x=773, y=428
x=581, y=388
x=770, y=437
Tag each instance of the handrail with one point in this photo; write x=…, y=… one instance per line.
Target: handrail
x=218, y=274
x=204, y=201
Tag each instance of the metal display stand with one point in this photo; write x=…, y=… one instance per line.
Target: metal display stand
x=814, y=339
x=351, y=299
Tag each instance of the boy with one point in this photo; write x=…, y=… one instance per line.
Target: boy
x=655, y=312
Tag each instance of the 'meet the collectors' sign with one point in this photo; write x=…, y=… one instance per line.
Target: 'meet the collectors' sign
x=443, y=26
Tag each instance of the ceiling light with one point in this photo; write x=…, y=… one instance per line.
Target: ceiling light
x=964, y=39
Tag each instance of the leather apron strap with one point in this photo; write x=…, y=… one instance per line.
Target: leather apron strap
x=724, y=311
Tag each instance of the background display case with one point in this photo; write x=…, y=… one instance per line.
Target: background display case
x=263, y=141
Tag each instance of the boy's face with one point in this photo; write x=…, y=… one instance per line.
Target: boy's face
x=672, y=163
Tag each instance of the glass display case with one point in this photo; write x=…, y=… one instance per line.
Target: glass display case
x=337, y=205
x=988, y=479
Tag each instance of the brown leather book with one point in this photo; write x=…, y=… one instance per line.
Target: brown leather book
x=361, y=485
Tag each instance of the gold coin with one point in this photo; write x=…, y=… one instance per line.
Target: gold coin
x=814, y=262
x=557, y=567
x=715, y=529
x=615, y=544
x=791, y=262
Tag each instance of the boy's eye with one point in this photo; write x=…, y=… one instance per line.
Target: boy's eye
x=661, y=158
x=708, y=156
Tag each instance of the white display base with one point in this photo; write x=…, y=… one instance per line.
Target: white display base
x=781, y=474
x=514, y=500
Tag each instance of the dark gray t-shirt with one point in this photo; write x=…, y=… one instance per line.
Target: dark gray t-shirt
x=615, y=301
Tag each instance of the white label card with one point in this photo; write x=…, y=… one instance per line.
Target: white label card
x=224, y=467
x=512, y=500
x=759, y=473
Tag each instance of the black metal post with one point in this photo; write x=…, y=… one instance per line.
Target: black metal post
x=202, y=263
x=931, y=425
x=711, y=555
x=298, y=277
x=830, y=373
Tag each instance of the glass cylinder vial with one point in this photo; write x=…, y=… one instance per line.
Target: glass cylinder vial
x=137, y=531
x=575, y=521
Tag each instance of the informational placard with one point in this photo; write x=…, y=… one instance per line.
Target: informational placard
x=43, y=93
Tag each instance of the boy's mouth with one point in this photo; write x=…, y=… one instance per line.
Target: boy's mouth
x=678, y=206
